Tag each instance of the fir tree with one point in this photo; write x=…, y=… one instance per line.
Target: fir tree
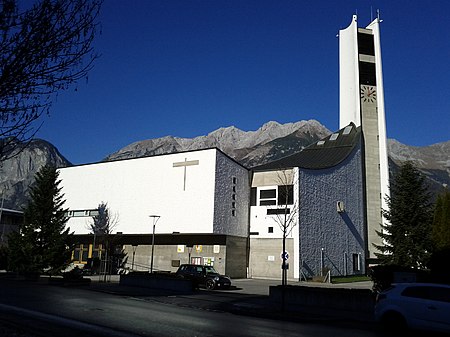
x=42, y=242
x=407, y=239
x=441, y=222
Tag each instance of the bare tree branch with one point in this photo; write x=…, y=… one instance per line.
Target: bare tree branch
x=43, y=50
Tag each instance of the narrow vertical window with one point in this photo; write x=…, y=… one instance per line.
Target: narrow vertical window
x=356, y=262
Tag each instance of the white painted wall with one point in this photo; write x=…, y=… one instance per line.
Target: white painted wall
x=137, y=188
x=349, y=108
x=260, y=221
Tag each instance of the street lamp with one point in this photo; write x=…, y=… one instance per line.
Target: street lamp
x=155, y=220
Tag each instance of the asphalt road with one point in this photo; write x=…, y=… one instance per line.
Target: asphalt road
x=41, y=309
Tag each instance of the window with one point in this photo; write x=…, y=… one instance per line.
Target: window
x=334, y=136
x=347, y=130
x=253, y=196
x=286, y=195
x=365, y=44
x=367, y=73
x=276, y=211
x=266, y=194
x=268, y=197
x=234, y=180
x=428, y=293
x=81, y=253
x=356, y=262
x=78, y=213
x=93, y=212
x=267, y=202
x=270, y=230
x=82, y=213
x=416, y=292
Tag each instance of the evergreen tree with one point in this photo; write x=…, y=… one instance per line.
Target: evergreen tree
x=42, y=242
x=441, y=222
x=407, y=239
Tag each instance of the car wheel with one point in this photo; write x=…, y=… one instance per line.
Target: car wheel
x=210, y=284
x=393, y=322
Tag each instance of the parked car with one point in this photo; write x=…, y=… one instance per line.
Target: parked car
x=422, y=306
x=205, y=276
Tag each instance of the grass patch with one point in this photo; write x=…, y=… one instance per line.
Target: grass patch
x=349, y=279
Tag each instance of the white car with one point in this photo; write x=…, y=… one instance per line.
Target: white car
x=423, y=306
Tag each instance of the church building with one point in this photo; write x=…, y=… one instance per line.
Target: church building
x=203, y=207
x=197, y=200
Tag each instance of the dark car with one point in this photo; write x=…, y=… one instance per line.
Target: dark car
x=205, y=276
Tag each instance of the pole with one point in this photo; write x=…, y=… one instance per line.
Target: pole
x=155, y=220
x=153, y=248
x=134, y=253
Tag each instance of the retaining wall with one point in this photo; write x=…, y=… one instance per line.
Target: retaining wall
x=172, y=284
x=352, y=303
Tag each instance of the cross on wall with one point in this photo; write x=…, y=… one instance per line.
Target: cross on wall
x=185, y=164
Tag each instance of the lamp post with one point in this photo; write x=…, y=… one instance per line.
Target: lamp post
x=155, y=220
x=134, y=253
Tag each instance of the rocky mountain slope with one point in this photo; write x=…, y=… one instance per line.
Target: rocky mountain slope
x=251, y=148
x=432, y=160
x=272, y=141
x=17, y=174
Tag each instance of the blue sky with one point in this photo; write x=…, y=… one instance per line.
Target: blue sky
x=185, y=68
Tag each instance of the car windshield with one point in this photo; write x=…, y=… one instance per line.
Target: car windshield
x=210, y=270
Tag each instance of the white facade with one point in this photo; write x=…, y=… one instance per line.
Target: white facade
x=349, y=101
x=266, y=224
x=181, y=188
x=368, y=113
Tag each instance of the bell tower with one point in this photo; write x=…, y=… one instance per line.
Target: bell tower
x=361, y=101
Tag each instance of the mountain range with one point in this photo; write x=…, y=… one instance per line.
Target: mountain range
x=250, y=148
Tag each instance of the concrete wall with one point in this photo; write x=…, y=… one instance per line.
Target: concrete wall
x=164, y=255
x=187, y=202
x=357, y=304
x=236, y=257
x=170, y=285
x=382, y=134
x=265, y=258
x=231, y=197
x=349, y=108
x=340, y=235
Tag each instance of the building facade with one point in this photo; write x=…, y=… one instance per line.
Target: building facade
x=318, y=209
x=199, y=194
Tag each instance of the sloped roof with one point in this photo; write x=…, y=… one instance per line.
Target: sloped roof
x=327, y=152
